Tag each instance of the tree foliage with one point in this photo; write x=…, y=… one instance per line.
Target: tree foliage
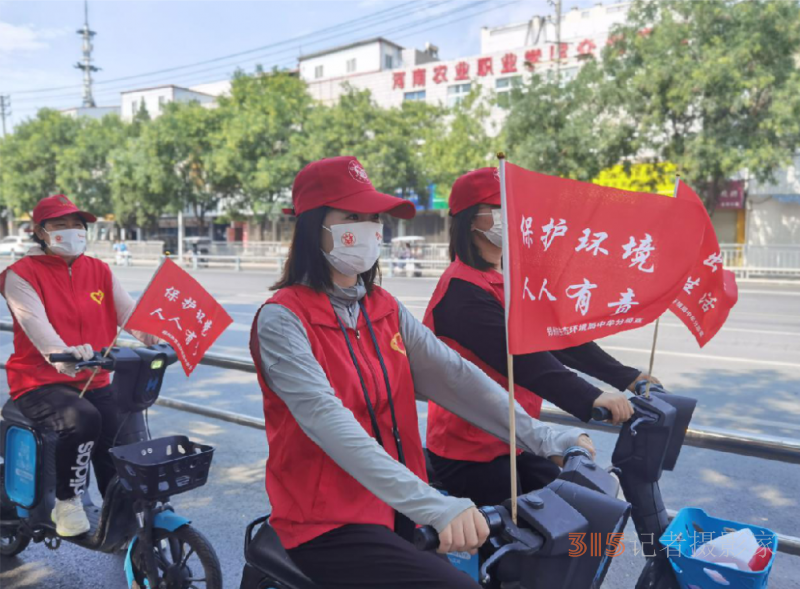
x=28, y=159
x=572, y=129
x=82, y=168
x=711, y=86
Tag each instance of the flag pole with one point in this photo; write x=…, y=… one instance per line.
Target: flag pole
x=121, y=327
x=512, y=421
x=655, y=331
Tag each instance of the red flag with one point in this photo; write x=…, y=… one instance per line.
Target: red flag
x=180, y=311
x=710, y=292
x=585, y=261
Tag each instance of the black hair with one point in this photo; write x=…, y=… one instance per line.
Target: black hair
x=461, y=244
x=306, y=263
x=40, y=242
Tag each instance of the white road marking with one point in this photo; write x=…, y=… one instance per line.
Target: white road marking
x=772, y=293
x=707, y=357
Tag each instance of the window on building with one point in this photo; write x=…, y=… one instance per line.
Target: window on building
x=351, y=65
x=419, y=95
x=457, y=93
x=318, y=72
x=388, y=62
x=134, y=105
x=162, y=100
x=504, y=87
x=586, y=14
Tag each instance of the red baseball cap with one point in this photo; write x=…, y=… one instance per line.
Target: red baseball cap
x=481, y=186
x=56, y=206
x=342, y=183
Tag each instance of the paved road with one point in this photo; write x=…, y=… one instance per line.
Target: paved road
x=747, y=379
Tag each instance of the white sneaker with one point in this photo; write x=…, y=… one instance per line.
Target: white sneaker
x=70, y=518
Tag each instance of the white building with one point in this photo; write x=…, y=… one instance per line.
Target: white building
x=508, y=53
x=153, y=100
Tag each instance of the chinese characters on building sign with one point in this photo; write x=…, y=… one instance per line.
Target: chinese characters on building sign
x=508, y=63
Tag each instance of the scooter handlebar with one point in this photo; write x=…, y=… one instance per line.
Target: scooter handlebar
x=601, y=414
x=427, y=538
x=54, y=358
x=97, y=361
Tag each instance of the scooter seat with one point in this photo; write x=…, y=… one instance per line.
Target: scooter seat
x=12, y=414
x=266, y=553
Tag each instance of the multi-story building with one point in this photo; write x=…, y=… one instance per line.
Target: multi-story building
x=153, y=100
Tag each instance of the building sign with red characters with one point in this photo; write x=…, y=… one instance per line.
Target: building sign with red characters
x=514, y=62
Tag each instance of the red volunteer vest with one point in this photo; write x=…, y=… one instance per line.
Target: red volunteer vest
x=310, y=494
x=79, y=302
x=448, y=435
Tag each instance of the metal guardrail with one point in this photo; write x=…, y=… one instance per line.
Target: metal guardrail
x=717, y=439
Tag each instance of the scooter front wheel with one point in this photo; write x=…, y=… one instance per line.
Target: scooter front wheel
x=12, y=539
x=184, y=558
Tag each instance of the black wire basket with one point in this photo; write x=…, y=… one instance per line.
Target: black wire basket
x=157, y=469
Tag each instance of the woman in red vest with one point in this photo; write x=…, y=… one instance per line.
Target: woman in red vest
x=340, y=361
x=64, y=302
x=467, y=313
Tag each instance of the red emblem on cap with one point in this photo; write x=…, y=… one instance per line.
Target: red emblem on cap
x=59, y=238
x=348, y=239
x=357, y=172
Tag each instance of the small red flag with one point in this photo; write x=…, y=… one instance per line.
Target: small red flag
x=710, y=292
x=586, y=261
x=180, y=311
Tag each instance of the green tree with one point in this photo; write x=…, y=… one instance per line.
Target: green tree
x=253, y=159
x=28, y=159
x=186, y=137
x=82, y=169
x=388, y=142
x=458, y=142
x=573, y=129
x=712, y=86
x=142, y=187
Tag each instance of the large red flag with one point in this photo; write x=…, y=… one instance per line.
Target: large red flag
x=710, y=292
x=585, y=261
x=180, y=311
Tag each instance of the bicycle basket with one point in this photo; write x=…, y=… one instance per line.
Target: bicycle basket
x=156, y=469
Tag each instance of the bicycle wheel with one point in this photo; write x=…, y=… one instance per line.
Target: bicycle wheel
x=184, y=558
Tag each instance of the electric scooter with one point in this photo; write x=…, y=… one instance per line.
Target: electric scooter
x=537, y=551
x=163, y=550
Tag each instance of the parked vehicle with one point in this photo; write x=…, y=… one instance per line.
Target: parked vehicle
x=17, y=245
x=164, y=550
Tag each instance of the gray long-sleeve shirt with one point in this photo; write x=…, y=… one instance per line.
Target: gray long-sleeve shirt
x=439, y=374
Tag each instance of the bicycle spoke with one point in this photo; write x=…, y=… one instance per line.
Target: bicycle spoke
x=186, y=558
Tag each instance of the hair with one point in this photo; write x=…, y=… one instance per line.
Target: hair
x=40, y=242
x=306, y=263
x=461, y=244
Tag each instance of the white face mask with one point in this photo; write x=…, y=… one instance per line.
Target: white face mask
x=495, y=234
x=67, y=242
x=356, y=246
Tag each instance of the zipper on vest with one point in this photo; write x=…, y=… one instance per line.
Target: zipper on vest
x=372, y=372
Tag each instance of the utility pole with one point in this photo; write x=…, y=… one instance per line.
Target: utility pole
x=558, y=42
x=5, y=110
x=86, y=65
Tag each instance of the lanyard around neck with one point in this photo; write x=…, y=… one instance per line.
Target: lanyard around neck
x=373, y=418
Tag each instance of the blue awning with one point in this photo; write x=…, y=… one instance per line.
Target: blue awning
x=794, y=198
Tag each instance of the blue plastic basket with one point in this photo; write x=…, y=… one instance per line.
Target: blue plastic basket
x=690, y=529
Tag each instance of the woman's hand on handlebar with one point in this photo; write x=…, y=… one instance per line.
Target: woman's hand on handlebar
x=621, y=409
x=465, y=533
x=82, y=353
x=642, y=376
x=583, y=441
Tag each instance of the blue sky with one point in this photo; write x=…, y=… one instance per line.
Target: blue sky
x=39, y=45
